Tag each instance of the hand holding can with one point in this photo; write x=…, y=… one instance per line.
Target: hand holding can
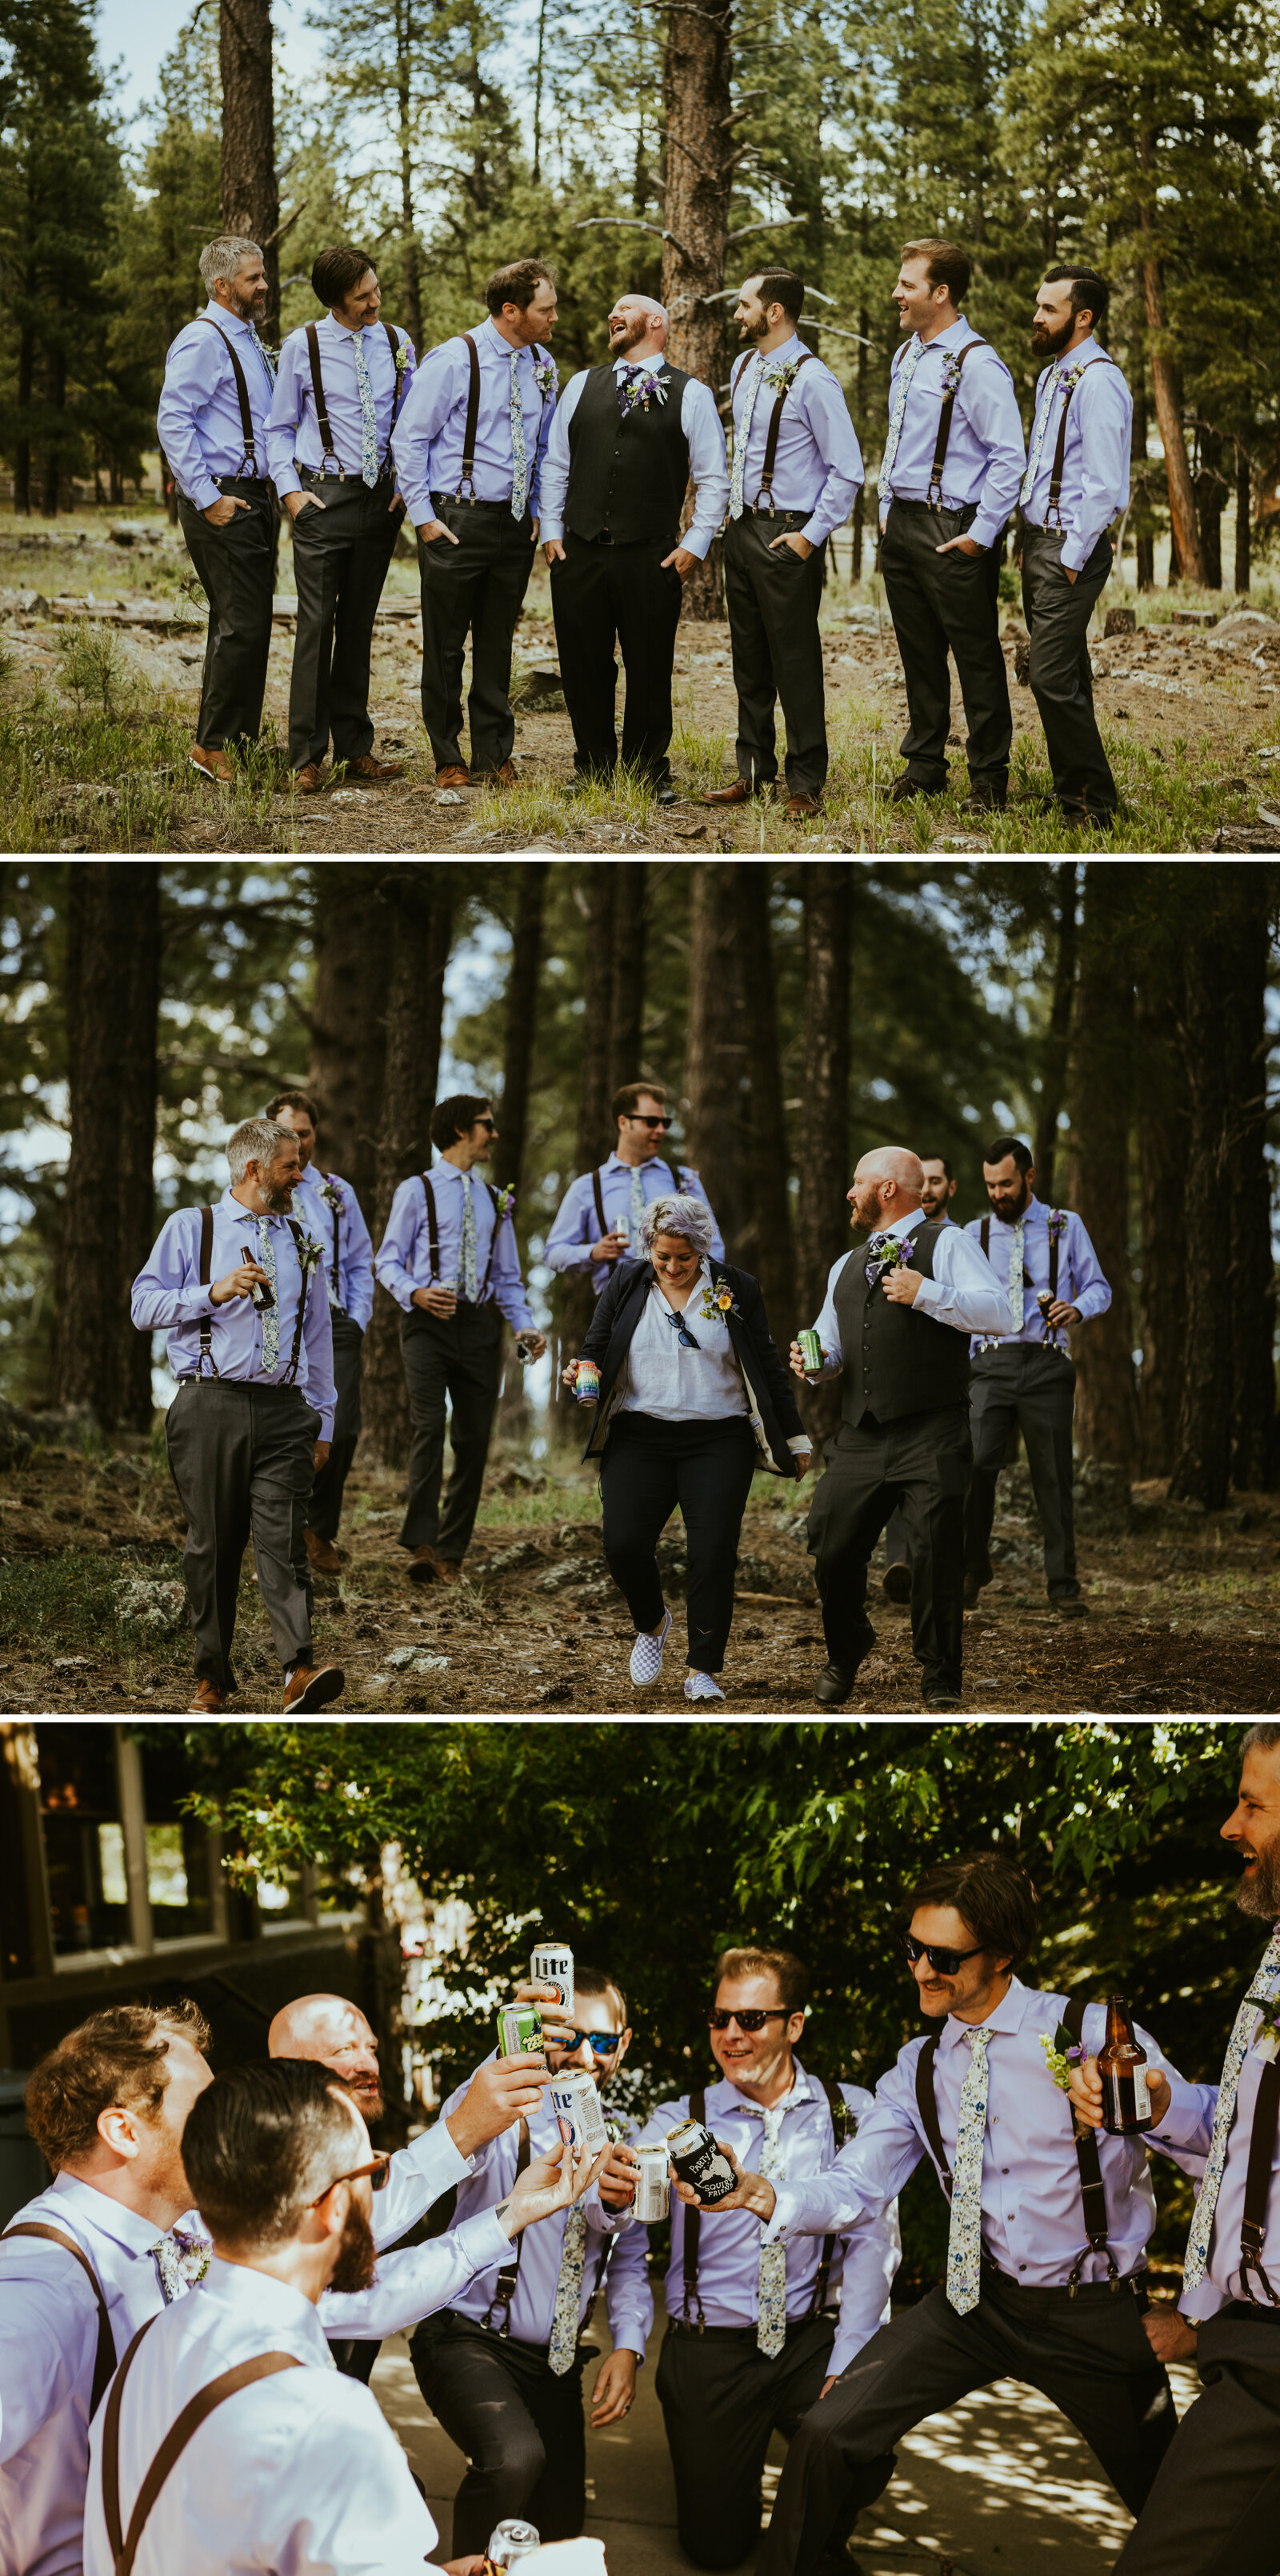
x=810, y=1351
x=587, y=1382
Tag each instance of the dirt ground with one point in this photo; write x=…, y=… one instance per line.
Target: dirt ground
x=1181, y=1606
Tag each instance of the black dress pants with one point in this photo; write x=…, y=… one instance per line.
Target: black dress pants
x=773, y=601
x=1088, y=2355
x=920, y=1464
x=340, y=557
x=518, y=2423
x=602, y=591
x=457, y=1355
x=236, y=567
x=1057, y=612
x=241, y=1458
x=325, y=1508
x=722, y=2401
x=702, y=1469
x=477, y=585
x=1034, y=1386
x=1215, y=2507
x=938, y=601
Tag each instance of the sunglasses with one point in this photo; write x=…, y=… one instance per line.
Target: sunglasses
x=638, y=1121
x=944, y=1962
x=601, y=2043
x=378, y=2170
x=749, y=2021
x=682, y=1333
x=490, y=1123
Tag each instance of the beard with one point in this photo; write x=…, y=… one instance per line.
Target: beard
x=628, y=338
x=1046, y=343
x=754, y=330
x=357, y=2254
x=1260, y=1894
x=366, y=2097
x=279, y=1196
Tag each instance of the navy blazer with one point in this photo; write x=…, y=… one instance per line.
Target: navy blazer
x=771, y=1405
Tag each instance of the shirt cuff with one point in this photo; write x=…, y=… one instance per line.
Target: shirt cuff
x=786, y=2204
x=551, y=527
x=453, y=2162
x=801, y=1440
x=985, y=530
x=205, y=494
x=1078, y=547
x=287, y=479
x=928, y=1295
x=817, y=529
x=484, y=2240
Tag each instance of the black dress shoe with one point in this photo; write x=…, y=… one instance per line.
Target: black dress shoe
x=904, y=788
x=834, y=1685
x=974, y=1584
x=984, y=800
x=942, y=1699
x=895, y=1583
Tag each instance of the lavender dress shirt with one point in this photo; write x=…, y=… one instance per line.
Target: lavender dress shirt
x=167, y=1294
x=403, y=1260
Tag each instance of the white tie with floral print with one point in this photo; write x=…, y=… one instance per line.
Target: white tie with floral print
x=519, y=452
x=1015, y=1272
x=271, y=1317
x=771, y=2327
x=1040, y=430
x=964, y=2244
x=468, y=1279
x=181, y=2261
x=564, y=2323
x=901, y=389
x=740, y=437
x=1238, y=2046
x=368, y=419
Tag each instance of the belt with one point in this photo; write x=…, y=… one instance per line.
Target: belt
x=441, y=500
x=744, y=2334
x=997, y=2284
x=909, y=501
x=243, y=1385
x=316, y=479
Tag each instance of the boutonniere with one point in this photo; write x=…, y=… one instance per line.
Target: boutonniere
x=332, y=1198
x=402, y=356
x=887, y=1252
x=718, y=1302
x=951, y=371
x=780, y=377
x=545, y=376
x=635, y=393
x=1057, y=1223
x=1062, y=2055
x=310, y=1254
x=504, y=1201
x=1267, y=2042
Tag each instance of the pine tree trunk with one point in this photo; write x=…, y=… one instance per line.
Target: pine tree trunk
x=772, y=1254
x=1211, y=493
x=1162, y=1140
x=348, y=1021
x=1057, y=1042
x=518, y=1036
x=822, y=1214
x=1164, y=377
x=626, y=1000
x=715, y=1053
x=1244, y=531
x=138, y=1085
x=573, y=1297
x=249, y=187
x=97, y=961
x=1101, y=1100
x=418, y=922
x=411, y=277
x=1252, y=1276
x=1202, y=1465
x=699, y=180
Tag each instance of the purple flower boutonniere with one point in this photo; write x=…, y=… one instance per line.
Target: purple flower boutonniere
x=1057, y=1223
x=310, y=1254
x=504, y=1202
x=332, y=1198
x=545, y=377
x=636, y=393
x=887, y=1252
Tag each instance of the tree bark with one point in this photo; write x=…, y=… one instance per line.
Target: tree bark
x=699, y=180
x=518, y=1036
x=1210, y=489
x=348, y=1021
x=1244, y=530
x=1251, y=1274
x=822, y=1215
x=1101, y=1088
x=626, y=993
x=1162, y=1140
x=1202, y=1465
x=1057, y=1043
x=418, y=901
x=573, y=1298
x=1164, y=377
x=97, y=965
x=249, y=188
x=137, y=1095
x=772, y=1253
x=716, y=1055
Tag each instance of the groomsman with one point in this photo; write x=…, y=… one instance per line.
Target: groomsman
x=797, y=469
x=598, y=1219
x=332, y=1213
x=1027, y=1377
x=937, y=1191
x=341, y=383
x=626, y=438
x=251, y=1346
x=1075, y=485
x=949, y=475
x=469, y=447
x=212, y=426
x=449, y=1258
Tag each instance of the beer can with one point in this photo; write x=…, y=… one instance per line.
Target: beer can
x=511, y=2542
x=576, y=2104
x=810, y=1348
x=551, y=1964
x=520, y=2031
x=523, y=1352
x=587, y=1386
x=653, y=2190
x=698, y=2161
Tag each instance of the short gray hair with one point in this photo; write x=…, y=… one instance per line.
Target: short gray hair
x=691, y=1217
x=256, y=1140
x=1260, y=1739
x=224, y=255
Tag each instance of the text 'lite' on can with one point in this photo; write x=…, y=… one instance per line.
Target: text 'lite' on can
x=551, y=1964
x=511, y=2542
x=576, y=2104
x=698, y=2161
x=653, y=2190
x=810, y=1348
x=587, y=1383
x=520, y=2031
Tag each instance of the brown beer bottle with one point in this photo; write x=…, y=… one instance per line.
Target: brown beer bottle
x=1122, y=2065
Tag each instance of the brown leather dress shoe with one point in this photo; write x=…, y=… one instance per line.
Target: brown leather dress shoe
x=322, y=1552
x=208, y=1701
x=797, y=808
x=904, y=788
x=216, y=765
x=507, y=776
x=306, y=781
x=453, y=776
x=311, y=1686
x=426, y=1565
x=738, y=794
x=376, y=771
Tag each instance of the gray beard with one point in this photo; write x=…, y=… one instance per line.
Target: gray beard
x=1260, y=1894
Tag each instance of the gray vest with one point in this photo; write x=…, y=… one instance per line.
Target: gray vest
x=896, y=1360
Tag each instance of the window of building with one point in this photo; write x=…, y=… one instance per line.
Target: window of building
x=177, y=1847
x=83, y=1838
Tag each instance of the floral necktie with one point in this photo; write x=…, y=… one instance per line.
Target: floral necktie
x=265, y=356
x=964, y=2243
x=519, y=457
x=1238, y=2046
x=564, y=2322
x=368, y=420
x=771, y=2325
x=1040, y=431
x=637, y=1204
x=1015, y=1273
x=901, y=389
x=271, y=1318
x=181, y=2261
x=467, y=1282
x=741, y=435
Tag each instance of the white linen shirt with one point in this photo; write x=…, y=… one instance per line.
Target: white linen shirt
x=864, y=2262
x=299, y=2474
x=665, y=1378
x=708, y=463
x=963, y=1292
x=1095, y=455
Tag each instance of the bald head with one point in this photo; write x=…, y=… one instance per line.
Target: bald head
x=336, y=2034
x=886, y=1185
x=637, y=327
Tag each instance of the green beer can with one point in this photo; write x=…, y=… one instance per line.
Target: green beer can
x=810, y=1349
x=520, y=2031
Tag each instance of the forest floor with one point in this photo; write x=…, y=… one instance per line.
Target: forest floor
x=1181, y=1606
x=101, y=645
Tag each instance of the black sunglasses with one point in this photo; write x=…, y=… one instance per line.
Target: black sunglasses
x=638, y=1121
x=751, y=2020
x=682, y=1332
x=944, y=1962
x=490, y=1123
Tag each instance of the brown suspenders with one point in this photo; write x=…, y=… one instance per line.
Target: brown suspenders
x=765, y=492
x=242, y=394
x=505, y=2285
x=933, y=496
x=468, y=472
x=1257, y=2183
x=322, y=409
x=1054, y=503
x=206, y=1321
x=104, y=2360
x=984, y=1238
x=124, y=2547
x=433, y=1233
x=844, y=2126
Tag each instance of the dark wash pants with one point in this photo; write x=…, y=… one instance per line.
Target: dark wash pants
x=479, y=585
x=1034, y=1386
x=236, y=567
x=773, y=601
x=702, y=1469
x=458, y=1355
x=722, y=2400
x=241, y=1458
x=601, y=591
x=1057, y=612
x=340, y=559
x=1089, y=2355
x=519, y=2425
x=937, y=601
x=1215, y=2507
x=920, y=1464
x=324, y=1510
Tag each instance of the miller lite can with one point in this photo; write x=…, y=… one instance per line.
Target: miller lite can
x=576, y=2104
x=511, y=2542
x=653, y=2190
x=520, y=2031
x=698, y=2161
x=810, y=1349
x=587, y=1383
x=551, y=1964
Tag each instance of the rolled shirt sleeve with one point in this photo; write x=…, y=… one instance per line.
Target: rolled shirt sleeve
x=708, y=466
x=1090, y=1292
x=991, y=404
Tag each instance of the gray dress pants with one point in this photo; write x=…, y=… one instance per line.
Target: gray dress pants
x=1057, y=612
x=458, y=1355
x=325, y=1508
x=241, y=1458
x=1215, y=2507
x=940, y=601
x=1034, y=1386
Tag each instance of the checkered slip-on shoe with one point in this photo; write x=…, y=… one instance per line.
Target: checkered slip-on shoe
x=701, y=1686
x=646, y=1656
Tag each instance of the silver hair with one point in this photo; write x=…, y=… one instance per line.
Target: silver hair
x=690, y=1217
x=256, y=1140
x=224, y=255
x=1259, y=1739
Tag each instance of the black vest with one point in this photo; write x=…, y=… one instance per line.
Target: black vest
x=895, y=1360
x=627, y=476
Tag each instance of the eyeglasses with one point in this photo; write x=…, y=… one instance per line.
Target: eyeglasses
x=378, y=2170
x=601, y=2043
x=944, y=1962
x=749, y=2021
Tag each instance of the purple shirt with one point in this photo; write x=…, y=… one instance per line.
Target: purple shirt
x=167, y=1293
x=1080, y=1280
x=1185, y=2134
x=403, y=1260
x=351, y=1282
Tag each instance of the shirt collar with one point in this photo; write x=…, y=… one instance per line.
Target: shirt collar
x=228, y=321
x=728, y=2096
x=903, y=1224
x=489, y=330
x=258, y=2298
x=108, y=2217
x=651, y=366
x=1079, y=357
x=231, y=1203
x=616, y=1164
x=783, y=355
x=1009, y=2015
x=948, y=339
x=1035, y=1213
